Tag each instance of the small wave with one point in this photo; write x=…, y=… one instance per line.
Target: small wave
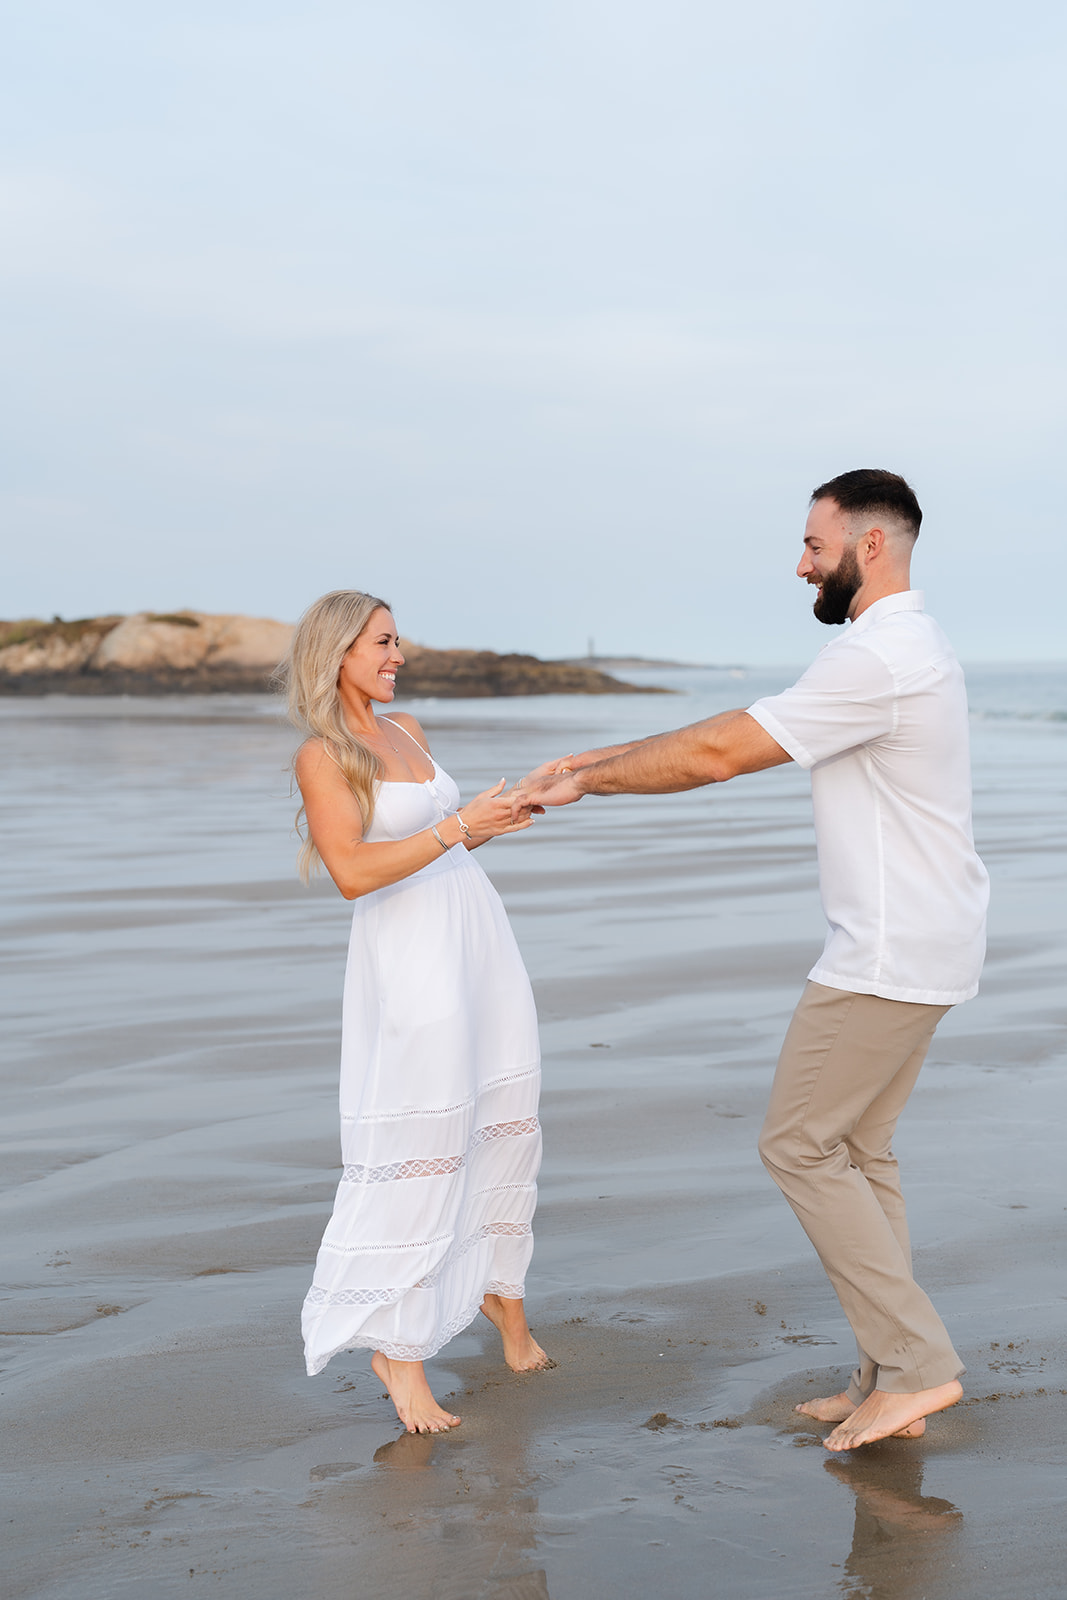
x=1001, y=714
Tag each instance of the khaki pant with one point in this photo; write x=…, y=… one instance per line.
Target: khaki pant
x=847, y=1066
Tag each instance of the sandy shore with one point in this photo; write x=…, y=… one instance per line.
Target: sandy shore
x=171, y=1150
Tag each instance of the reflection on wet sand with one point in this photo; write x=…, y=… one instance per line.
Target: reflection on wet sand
x=441, y=1506
x=903, y=1542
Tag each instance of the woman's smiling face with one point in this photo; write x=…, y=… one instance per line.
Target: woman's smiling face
x=370, y=664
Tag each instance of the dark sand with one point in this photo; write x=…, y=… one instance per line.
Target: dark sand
x=170, y=1155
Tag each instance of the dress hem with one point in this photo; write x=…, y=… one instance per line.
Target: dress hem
x=414, y=1352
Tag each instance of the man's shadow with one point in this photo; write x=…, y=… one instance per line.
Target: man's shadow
x=903, y=1540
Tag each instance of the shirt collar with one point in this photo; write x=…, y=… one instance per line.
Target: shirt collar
x=910, y=600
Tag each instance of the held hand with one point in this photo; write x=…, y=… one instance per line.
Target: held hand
x=492, y=813
x=574, y=763
x=542, y=789
x=557, y=764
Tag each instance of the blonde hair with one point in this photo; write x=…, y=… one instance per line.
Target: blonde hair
x=308, y=675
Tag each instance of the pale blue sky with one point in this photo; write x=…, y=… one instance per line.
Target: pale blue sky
x=542, y=321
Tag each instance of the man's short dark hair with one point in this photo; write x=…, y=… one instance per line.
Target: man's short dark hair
x=870, y=491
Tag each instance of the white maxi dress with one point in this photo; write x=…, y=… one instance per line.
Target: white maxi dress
x=440, y=1073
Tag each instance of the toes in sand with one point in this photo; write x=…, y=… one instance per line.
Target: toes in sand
x=831, y=1408
x=409, y=1391
x=884, y=1416
x=838, y=1408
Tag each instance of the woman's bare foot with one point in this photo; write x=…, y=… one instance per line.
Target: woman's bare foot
x=838, y=1408
x=410, y=1393
x=521, y=1350
x=883, y=1415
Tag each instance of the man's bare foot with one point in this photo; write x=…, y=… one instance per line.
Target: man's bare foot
x=838, y=1408
x=410, y=1393
x=521, y=1350
x=883, y=1415
x=918, y=1513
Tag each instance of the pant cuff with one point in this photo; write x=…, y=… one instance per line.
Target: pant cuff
x=896, y=1383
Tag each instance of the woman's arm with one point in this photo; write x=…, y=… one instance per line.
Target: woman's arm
x=358, y=866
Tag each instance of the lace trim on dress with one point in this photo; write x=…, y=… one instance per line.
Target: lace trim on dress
x=423, y=1111
x=445, y=1111
x=414, y=1352
x=512, y=1077
x=353, y=1297
x=383, y=1297
x=505, y=1130
x=511, y=1230
x=423, y=1352
x=437, y=1166
x=317, y=1296
x=389, y=1244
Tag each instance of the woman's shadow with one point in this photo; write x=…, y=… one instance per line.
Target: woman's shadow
x=903, y=1539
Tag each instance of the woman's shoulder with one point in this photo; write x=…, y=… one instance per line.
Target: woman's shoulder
x=313, y=760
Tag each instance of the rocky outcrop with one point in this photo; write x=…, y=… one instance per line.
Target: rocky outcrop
x=192, y=652
x=29, y=650
x=149, y=653
x=480, y=674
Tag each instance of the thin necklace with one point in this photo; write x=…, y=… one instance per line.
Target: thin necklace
x=385, y=736
x=380, y=731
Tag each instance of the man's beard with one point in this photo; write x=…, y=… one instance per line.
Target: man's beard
x=839, y=589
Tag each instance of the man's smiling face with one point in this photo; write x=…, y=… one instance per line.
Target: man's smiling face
x=829, y=561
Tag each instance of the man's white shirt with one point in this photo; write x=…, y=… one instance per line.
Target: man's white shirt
x=880, y=718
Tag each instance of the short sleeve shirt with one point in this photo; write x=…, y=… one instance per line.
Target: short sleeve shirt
x=880, y=719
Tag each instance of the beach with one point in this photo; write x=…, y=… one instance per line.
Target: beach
x=171, y=1151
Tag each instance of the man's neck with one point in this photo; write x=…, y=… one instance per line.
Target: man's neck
x=870, y=593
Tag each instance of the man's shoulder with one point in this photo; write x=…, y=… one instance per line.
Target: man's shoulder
x=846, y=656
x=908, y=642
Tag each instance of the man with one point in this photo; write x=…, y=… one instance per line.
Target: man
x=880, y=719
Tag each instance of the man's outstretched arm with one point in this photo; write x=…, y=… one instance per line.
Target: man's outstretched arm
x=711, y=751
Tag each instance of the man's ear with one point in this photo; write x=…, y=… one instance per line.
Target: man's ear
x=873, y=543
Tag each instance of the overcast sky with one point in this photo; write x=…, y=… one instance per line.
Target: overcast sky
x=540, y=320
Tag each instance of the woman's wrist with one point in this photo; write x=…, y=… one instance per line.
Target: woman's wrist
x=448, y=833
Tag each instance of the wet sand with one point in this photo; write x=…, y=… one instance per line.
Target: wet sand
x=169, y=1099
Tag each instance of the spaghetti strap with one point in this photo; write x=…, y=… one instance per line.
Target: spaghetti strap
x=411, y=736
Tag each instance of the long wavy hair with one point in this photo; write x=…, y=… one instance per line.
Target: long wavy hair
x=308, y=676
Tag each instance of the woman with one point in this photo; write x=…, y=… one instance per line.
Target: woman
x=440, y=1067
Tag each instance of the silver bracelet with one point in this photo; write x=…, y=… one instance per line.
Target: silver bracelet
x=463, y=825
x=440, y=841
